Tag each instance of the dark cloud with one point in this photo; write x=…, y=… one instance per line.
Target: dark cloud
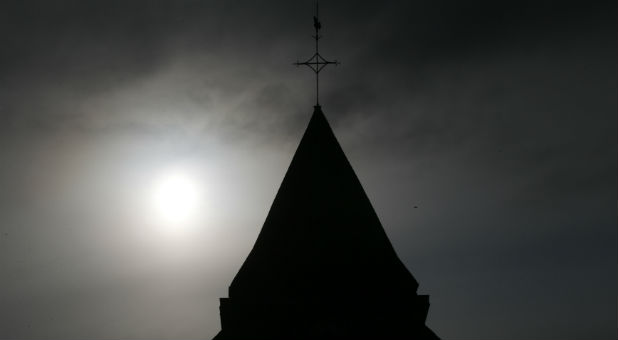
x=496, y=119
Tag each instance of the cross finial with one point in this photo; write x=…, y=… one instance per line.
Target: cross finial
x=317, y=62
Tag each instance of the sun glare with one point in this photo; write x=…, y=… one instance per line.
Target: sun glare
x=176, y=198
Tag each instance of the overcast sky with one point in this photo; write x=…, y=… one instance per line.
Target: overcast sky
x=496, y=118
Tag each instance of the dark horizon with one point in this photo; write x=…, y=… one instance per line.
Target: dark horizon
x=483, y=133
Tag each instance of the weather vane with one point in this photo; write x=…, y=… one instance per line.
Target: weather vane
x=316, y=62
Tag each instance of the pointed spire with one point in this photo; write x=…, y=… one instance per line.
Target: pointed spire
x=322, y=266
x=321, y=236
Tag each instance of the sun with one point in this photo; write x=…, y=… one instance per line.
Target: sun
x=176, y=198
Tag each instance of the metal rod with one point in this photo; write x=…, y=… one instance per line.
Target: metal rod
x=316, y=63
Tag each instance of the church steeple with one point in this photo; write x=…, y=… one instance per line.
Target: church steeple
x=322, y=266
x=322, y=236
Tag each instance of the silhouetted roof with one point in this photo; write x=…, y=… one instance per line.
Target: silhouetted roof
x=322, y=236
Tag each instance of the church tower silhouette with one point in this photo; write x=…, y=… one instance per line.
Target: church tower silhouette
x=322, y=266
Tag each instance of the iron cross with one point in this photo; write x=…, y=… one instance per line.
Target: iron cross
x=317, y=62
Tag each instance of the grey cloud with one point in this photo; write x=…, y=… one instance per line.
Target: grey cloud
x=496, y=119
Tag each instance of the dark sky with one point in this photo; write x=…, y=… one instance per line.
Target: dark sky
x=496, y=118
